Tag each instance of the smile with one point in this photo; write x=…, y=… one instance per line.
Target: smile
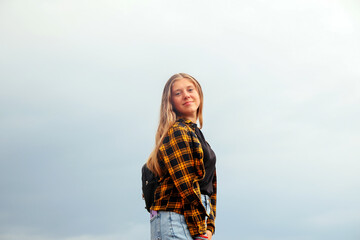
x=187, y=103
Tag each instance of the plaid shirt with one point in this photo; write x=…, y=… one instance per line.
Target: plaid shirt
x=181, y=159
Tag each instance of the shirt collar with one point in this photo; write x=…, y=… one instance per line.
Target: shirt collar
x=188, y=122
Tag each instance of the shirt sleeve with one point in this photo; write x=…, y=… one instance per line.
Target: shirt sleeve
x=211, y=219
x=183, y=160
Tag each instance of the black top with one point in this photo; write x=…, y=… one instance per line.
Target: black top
x=206, y=184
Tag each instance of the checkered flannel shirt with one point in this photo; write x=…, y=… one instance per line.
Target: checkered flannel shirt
x=181, y=159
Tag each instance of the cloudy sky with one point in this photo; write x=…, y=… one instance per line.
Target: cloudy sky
x=80, y=89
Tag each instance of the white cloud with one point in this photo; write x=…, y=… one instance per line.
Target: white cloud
x=81, y=86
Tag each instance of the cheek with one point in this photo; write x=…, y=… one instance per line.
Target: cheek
x=197, y=98
x=176, y=103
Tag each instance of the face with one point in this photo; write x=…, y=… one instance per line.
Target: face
x=185, y=98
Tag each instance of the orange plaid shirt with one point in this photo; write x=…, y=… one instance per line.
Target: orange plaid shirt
x=181, y=159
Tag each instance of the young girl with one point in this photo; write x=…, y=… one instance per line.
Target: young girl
x=185, y=201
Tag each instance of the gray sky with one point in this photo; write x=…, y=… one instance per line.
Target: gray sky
x=80, y=89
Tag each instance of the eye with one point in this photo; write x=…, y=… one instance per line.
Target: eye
x=177, y=94
x=190, y=89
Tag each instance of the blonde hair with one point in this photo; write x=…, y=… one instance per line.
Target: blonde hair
x=168, y=117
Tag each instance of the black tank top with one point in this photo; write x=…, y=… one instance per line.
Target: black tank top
x=206, y=184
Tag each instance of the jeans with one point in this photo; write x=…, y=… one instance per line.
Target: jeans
x=170, y=225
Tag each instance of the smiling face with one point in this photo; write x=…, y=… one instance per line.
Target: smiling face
x=185, y=99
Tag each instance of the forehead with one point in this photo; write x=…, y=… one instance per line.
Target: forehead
x=182, y=83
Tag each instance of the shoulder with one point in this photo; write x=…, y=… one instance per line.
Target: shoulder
x=180, y=130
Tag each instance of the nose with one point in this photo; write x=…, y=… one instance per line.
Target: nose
x=186, y=95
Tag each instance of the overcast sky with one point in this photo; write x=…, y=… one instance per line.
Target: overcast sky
x=80, y=90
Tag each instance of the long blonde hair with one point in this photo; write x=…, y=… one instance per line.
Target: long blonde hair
x=168, y=117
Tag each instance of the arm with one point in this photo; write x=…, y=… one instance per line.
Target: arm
x=183, y=160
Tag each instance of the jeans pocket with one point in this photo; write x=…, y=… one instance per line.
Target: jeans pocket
x=153, y=218
x=155, y=227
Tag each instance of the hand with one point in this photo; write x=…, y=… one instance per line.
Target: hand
x=209, y=234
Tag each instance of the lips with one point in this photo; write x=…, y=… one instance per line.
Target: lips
x=188, y=103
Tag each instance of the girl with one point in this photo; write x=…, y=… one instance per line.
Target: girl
x=184, y=205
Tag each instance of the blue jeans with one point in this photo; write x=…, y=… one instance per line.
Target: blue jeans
x=170, y=225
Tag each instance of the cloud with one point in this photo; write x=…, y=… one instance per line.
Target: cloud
x=81, y=87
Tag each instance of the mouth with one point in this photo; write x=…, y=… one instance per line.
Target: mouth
x=188, y=103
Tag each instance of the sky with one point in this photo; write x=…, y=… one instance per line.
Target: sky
x=80, y=91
